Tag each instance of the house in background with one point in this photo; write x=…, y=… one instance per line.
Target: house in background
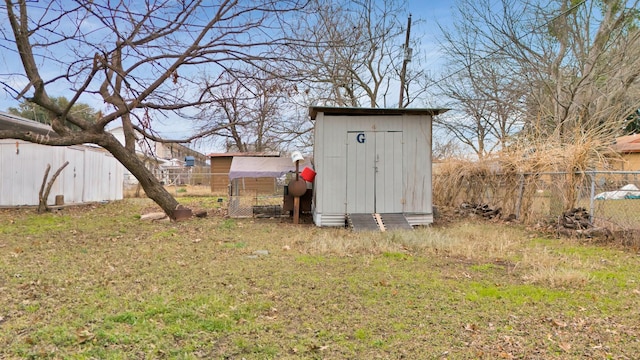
x=178, y=151
x=629, y=149
x=372, y=164
x=92, y=175
x=170, y=162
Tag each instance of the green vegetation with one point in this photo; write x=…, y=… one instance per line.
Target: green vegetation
x=38, y=113
x=96, y=282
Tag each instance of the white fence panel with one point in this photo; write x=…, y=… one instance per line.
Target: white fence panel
x=92, y=174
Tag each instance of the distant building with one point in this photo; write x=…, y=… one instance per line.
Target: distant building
x=166, y=160
x=629, y=149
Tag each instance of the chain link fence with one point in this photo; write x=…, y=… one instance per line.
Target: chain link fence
x=611, y=198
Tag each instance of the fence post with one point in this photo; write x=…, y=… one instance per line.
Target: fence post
x=520, y=196
x=592, y=196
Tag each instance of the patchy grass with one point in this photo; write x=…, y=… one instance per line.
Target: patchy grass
x=96, y=282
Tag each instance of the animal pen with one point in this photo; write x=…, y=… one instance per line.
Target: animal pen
x=257, y=185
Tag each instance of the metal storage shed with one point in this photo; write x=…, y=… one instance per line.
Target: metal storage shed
x=372, y=161
x=92, y=175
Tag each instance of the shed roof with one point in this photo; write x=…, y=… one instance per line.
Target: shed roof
x=255, y=167
x=351, y=111
x=627, y=144
x=245, y=154
x=13, y=122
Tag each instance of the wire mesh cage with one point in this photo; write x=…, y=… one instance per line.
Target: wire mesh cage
x=256, y=198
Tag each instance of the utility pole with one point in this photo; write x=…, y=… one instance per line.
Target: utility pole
x=407, y=59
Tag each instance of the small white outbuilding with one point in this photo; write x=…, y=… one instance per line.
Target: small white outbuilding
x=92, y=174
x=372, y=161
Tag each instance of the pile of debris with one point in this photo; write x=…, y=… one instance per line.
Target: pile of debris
x=575, y=219
x=577, y=222
x=483, y=210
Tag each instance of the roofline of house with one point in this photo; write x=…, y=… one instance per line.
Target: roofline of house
x=350, y=111
x=627, y=144
x=190, y=152
x=627, y=149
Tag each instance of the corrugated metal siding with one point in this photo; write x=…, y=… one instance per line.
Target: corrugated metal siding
x=22, y=172
x=73, y=176
x=117, y=192
x=332, y=220
x=92, y=174
x=94, y=178
x=419, y=219
x=59, y=157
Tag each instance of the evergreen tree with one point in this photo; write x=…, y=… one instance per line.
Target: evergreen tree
x=29, y=110
x=633, y=123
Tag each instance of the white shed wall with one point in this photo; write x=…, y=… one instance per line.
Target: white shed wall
x=333, y=171
x=92, y=173
x=72, y=176
x=418, y=193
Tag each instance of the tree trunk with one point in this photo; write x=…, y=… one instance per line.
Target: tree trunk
x=151, y=185
x=42, y=205
x=45, y=190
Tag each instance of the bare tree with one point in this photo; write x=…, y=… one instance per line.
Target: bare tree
x=139, y=58
x=444, y=148
x=587, y=73
x=45, y=188
x=574, y=69
x=488, y=109
x=576, y=64
x=355, y=52
x=246, y=111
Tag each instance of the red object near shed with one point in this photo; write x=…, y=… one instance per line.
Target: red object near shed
x=308, y=174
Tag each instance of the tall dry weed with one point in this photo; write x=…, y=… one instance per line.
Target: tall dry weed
x=512, y=178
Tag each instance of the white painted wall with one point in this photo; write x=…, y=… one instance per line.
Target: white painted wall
x=345, y=167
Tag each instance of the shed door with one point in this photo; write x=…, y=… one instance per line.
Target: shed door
x=374, y=172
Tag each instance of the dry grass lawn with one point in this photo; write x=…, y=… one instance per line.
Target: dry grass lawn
x=95, y=282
